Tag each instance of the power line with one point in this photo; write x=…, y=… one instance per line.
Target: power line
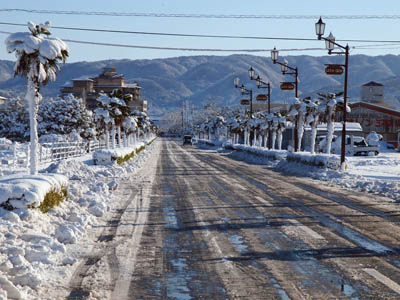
x=203, y=35
x=203, y=49
x=203, y=16
x=177, y=48
x=170, y=34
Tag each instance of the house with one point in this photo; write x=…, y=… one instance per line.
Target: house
x=373, y=117
x=89, y=88
x=373, y=92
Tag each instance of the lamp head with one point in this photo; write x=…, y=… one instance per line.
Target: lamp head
x=320, y=28
x=274, y=55
x=251, y=73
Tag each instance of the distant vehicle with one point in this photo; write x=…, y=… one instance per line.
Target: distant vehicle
x=355, y=145
x=187, y=140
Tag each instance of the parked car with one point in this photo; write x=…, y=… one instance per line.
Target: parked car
x=187, y=140
x=355, y=145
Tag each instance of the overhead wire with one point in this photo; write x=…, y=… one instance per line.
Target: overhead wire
x=204, y=35
x=204, y=16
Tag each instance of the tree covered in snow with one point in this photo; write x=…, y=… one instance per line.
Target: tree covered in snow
x=313, y=114
x=37, y=59
x=14, y=123
x=297, y=113
x=281, y=127
x=328, y=110
x=64, y=116
x=103, y=117
x=55, y=116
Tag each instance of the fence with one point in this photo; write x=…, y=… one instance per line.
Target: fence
x=16, y=155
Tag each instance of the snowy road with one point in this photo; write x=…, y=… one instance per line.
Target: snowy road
x=199, y=225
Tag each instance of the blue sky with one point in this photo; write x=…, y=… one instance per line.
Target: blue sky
x=382, y=29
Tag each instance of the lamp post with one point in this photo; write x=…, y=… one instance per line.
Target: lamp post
x=294, y=71
x=245, y=91
x=285, y=67
x=330, y=43
x=261, y=85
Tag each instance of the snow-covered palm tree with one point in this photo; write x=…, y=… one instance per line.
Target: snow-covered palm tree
x=328, y=109
x=280, y=129
x=37, y=59
x=297, y=113
x=313, y=119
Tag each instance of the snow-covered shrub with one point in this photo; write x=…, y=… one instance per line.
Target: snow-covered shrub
x=29, y=191
x=65, y=116
x=56, y=117
x=14, y=123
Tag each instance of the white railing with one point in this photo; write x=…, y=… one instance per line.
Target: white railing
x=16, y=155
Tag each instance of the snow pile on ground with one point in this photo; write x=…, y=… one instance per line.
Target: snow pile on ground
x=270, y=154
x=37, y=249
x=21, y=191
x=319, y=160
x=109, y=156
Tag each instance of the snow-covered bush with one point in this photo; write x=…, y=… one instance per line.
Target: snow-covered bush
x=14, y=123
x=57, y=117
x=65, y=116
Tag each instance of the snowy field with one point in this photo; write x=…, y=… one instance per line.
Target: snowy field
x=37, y=249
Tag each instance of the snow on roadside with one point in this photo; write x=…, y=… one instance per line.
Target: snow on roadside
x=379, y=174
x=34, y=255
x=109, y=156
x=21, y=191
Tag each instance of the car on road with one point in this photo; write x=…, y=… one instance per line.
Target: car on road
x=187, y=140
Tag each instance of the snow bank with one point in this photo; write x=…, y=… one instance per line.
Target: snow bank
x=22, y=191
x=270, y=154
x=318, y=160
x=110, y=156
x=38, y=251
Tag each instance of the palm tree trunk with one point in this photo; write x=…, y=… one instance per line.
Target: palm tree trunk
x=273, y=139
x=119, y=136
x=314, y=133
x=113, y=136
x=32, y=97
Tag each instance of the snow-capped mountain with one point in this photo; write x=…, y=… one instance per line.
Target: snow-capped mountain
x=201, y=79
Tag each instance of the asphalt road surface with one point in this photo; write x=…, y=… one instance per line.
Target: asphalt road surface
x=197, y=224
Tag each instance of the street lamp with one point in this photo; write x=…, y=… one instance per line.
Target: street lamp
x=236, y=82
x=264, y=85
x=251, y=73
x=330, y=43
x=284, y=69
x=245, y=91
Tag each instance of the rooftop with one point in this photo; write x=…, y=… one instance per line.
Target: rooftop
x=372, y=83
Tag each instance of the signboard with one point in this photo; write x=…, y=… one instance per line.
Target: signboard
x=245, y=102
x=287, y=86
x=261, y=97
x=334, y=70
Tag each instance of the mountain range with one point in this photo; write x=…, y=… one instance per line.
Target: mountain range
x=200, y=79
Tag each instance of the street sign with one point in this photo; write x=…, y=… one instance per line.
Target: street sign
x=245, y=102
x=261, y=97
x=334, y=70
x=287, y=86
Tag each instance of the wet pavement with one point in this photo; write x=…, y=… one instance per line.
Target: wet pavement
x=215, y=228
